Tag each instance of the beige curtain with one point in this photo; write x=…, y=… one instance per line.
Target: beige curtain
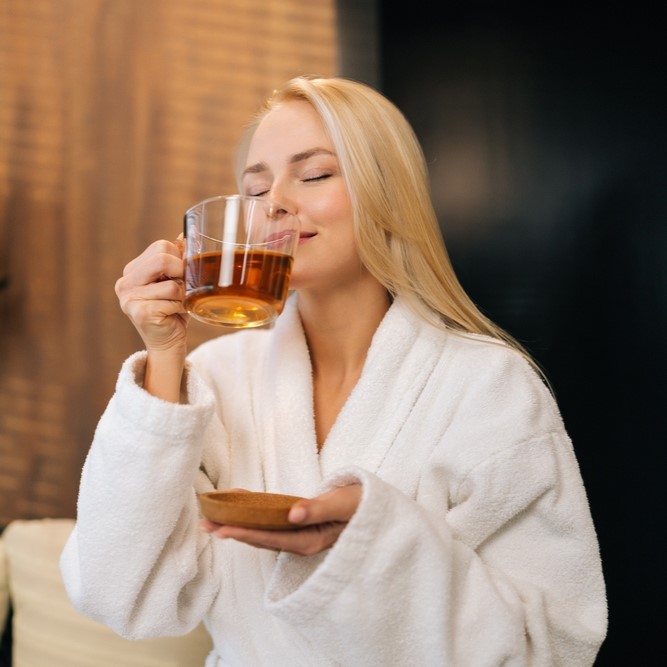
x=115, y=116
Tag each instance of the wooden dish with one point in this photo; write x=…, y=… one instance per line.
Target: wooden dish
x=250, y=509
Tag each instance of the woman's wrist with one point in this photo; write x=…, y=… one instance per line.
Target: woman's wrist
x=164, y=374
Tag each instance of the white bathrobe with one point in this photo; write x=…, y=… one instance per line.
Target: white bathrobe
x=473, y=543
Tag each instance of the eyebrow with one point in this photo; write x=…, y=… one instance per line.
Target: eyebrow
x=259, y=167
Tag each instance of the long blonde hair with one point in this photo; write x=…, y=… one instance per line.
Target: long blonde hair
x=396, y=228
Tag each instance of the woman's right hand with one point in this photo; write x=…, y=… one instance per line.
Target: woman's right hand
x=151, y=293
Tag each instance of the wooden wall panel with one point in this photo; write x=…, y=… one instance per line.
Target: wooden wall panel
x=115, y=116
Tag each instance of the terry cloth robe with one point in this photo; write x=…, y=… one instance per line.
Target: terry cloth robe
x=472, y=545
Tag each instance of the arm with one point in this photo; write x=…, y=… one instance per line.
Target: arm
x=506, y=576
x=472, y=544
x=150, y=293
x=138, y=517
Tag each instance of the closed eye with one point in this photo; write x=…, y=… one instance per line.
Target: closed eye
x=317, y=178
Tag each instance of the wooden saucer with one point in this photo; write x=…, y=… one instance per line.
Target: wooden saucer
x=250, y=509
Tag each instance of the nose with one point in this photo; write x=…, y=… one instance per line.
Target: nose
x=282, y=202
x=276, y=210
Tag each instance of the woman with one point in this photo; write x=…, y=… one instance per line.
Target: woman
x=446, y=522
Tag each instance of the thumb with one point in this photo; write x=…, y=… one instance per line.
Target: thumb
x=337, y=505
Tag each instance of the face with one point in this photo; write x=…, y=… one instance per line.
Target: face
x=292, y=160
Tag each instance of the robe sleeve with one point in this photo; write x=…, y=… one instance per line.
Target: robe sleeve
x=136, y=547
x=494, y=565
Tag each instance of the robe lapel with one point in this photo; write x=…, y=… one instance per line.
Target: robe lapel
x=284, y=412
x=398, y=365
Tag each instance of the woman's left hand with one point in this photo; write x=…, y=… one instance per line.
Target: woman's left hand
x=317, y=524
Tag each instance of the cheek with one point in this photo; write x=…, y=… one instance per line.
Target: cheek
x=333, y=209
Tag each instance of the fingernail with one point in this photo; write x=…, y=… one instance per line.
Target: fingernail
x=297, y=514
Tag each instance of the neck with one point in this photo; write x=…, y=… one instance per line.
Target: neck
x=339, y=327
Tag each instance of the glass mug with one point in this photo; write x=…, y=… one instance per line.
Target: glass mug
x=238, y=260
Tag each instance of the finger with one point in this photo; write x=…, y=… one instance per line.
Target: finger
x=334, y=506
x=157, y=298
x=303, y=542
x=163, y=290
x=159, y=252
x=152, y=312
x=157, y=247
x=208, y=526
x=157, y=269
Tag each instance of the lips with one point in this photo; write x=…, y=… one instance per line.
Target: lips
x=282, y=235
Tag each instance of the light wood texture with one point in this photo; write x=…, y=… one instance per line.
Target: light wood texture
x=114, y=118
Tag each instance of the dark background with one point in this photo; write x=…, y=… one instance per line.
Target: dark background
x=545, y=136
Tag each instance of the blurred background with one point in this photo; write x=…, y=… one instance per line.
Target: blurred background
x=544, y=130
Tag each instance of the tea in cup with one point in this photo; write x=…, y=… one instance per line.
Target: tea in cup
x=238, y=260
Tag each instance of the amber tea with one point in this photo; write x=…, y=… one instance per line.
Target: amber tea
x=238, y=259
x=256, y=292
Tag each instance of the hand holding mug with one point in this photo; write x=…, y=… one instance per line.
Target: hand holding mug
x=151, y=294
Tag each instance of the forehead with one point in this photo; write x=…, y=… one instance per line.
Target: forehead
x=289, y=128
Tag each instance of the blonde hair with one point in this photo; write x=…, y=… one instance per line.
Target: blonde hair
x=397, y=231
